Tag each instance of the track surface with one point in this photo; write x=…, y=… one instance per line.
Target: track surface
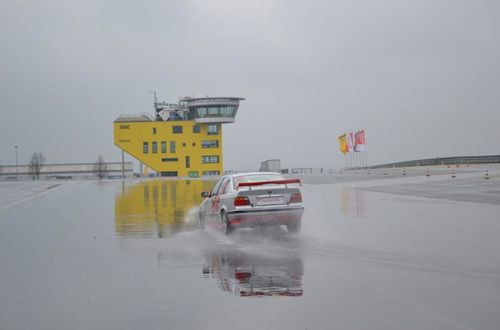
x=398, y=253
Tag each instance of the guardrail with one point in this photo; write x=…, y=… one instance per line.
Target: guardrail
x=461, y=160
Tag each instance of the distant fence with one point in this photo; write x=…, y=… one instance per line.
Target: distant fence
x=65, y=170
x=462, y=160
x=302, y=170
x=438, y=161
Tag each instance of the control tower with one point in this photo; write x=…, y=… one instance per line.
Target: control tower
x=182, y=139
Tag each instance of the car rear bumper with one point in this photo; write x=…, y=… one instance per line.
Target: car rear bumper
x=264, y=217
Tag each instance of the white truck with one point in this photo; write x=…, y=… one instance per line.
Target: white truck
x=270, y=165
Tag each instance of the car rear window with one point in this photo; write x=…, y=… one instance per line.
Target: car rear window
x=257, y=178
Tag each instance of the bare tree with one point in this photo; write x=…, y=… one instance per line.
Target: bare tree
x=36, y=163
x=100, y=167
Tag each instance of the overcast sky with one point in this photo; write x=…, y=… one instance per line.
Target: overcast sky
x=422, y=77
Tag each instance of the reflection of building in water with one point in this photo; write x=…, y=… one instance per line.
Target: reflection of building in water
x=251, y=275
x=353, y=202
x=157, y=208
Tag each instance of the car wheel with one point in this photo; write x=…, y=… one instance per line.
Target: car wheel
x=226, y=226
x=293, y=227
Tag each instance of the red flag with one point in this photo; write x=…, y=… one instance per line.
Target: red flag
x=359, y=144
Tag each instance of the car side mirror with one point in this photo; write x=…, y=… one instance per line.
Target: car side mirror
x=205, y=194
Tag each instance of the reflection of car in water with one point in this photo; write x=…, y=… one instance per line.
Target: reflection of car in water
x=253, y=199
x=250, y=275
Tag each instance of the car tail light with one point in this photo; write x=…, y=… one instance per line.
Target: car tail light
x=241, y=201
x=296, y=198
x=243, y=276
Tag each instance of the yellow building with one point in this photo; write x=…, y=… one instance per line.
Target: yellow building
x=184, y=139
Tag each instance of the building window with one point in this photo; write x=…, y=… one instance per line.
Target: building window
x=196, y=129
x=163, y=147
x=193, y=144
x=210, y=159
x=193, y=174
x=172, y=146
x=154, y=147
x=212, y=129
x=210, y=144
x=154, y=130
x=169, y=173
x=210, y=172
x=177, y=129
x=184, y=144
x=188, y=162
x=169, y=159
x=145, y=147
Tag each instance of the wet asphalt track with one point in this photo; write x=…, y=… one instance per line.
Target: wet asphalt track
x=372, y=254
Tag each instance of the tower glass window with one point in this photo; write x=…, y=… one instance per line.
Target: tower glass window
x=216, y=111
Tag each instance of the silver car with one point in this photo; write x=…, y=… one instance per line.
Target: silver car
x=251, y=200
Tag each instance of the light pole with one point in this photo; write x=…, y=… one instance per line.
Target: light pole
x=17, y=171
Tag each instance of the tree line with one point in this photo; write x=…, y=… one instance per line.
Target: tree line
x=37, y=162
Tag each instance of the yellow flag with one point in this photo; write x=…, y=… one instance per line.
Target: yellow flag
x=343, y=143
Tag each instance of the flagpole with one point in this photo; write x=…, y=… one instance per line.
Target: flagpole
x=366, y=149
